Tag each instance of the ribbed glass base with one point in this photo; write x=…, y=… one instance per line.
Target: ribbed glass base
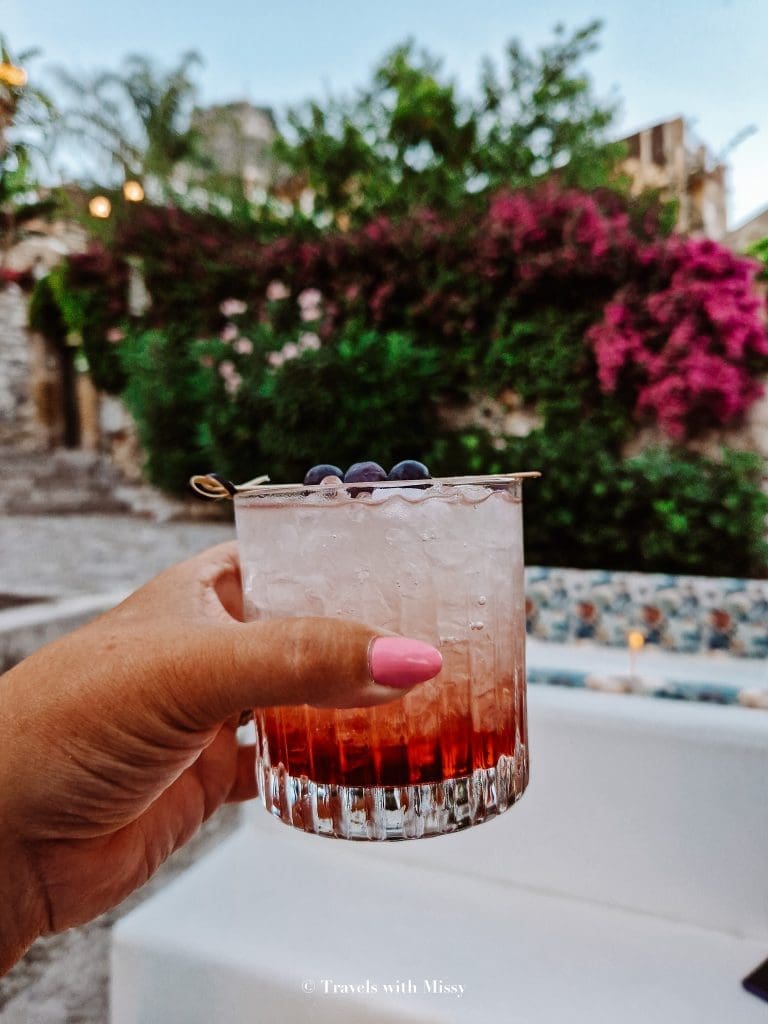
x=394, y=812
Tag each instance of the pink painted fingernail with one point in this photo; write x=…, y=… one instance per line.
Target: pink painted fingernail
x=402, y=662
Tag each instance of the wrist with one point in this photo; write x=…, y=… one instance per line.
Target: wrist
x=21, y=919
x=22, y=904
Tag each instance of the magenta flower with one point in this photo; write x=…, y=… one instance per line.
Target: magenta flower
x=687, y=349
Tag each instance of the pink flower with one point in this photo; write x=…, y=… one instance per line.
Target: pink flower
x=379, y=299
x=308, y=340
x=227, y=369
x=232, y=384
x=229, y=333
x=275, y=359
x=114, y=335
x=243, y=346
x=290, y=350
x=232, y=307
x=309, y=304
x=689, y=344
x=309, y=297
x=276, y=291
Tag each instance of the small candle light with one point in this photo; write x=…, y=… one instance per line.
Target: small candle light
x=635, y=642
x=100, y=207
x=133, y=191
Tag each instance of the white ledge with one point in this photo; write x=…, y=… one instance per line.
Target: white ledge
x=629, y=885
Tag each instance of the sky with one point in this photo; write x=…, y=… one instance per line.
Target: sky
x=702, y=59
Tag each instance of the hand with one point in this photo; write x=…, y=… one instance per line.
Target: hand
x=118, y=741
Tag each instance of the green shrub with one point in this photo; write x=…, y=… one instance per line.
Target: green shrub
x=702, y=516
x=319, y=405
x=666, y=510
x=266, y=358
x=169, y=400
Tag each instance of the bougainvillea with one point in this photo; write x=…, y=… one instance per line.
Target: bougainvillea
x=557, y=234
x=686, y=340
x=270, y=356
x=22, y=278
x=676, y=325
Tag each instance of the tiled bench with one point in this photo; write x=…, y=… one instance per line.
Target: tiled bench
x=703, y=638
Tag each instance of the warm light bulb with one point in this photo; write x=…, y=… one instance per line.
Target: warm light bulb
x=100, y=207
x=13, y=76
x=133, y=191
x=635, y=640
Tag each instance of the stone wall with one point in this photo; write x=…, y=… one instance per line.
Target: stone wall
x=17, y=410
x=751, y=435
x=36, y=409
x=664, y=156
x=753, y=230
x=507, y=416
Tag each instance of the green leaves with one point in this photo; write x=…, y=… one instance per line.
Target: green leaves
x=666, y=510
x=704, y=516
x=170, y=403
x=27, y=115
x=136, y=122
x=278, y=417
x=411, y=139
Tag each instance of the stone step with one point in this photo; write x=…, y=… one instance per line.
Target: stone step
x=67, y=482
x=63, y=502
x=63, y=481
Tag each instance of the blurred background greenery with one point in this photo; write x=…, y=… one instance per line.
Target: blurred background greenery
x=480, y=280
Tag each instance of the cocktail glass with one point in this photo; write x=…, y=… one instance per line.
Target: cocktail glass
x=441, y=562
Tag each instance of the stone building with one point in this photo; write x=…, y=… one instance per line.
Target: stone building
x=665, y=157
x=234, y=142
x=47, y=400
x=753, y=230
x=44, y=402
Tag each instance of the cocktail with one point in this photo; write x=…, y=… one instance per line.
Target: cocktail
x=439, y=561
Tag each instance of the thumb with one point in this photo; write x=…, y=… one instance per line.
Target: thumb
x=318, y=661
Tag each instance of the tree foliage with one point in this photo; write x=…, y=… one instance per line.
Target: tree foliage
x=411, y=139
x=26, y=116
x=135, y=121
x=376, y=343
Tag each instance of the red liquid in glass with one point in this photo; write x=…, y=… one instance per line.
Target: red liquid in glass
x=376, y=747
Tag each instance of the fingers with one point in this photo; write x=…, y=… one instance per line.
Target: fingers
x=207, y=585
x=220, y=670
x=174, y=654
x=244, y=786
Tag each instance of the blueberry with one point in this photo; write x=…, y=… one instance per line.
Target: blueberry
x=318, y=473
x=364, y=472
x=409, y=469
